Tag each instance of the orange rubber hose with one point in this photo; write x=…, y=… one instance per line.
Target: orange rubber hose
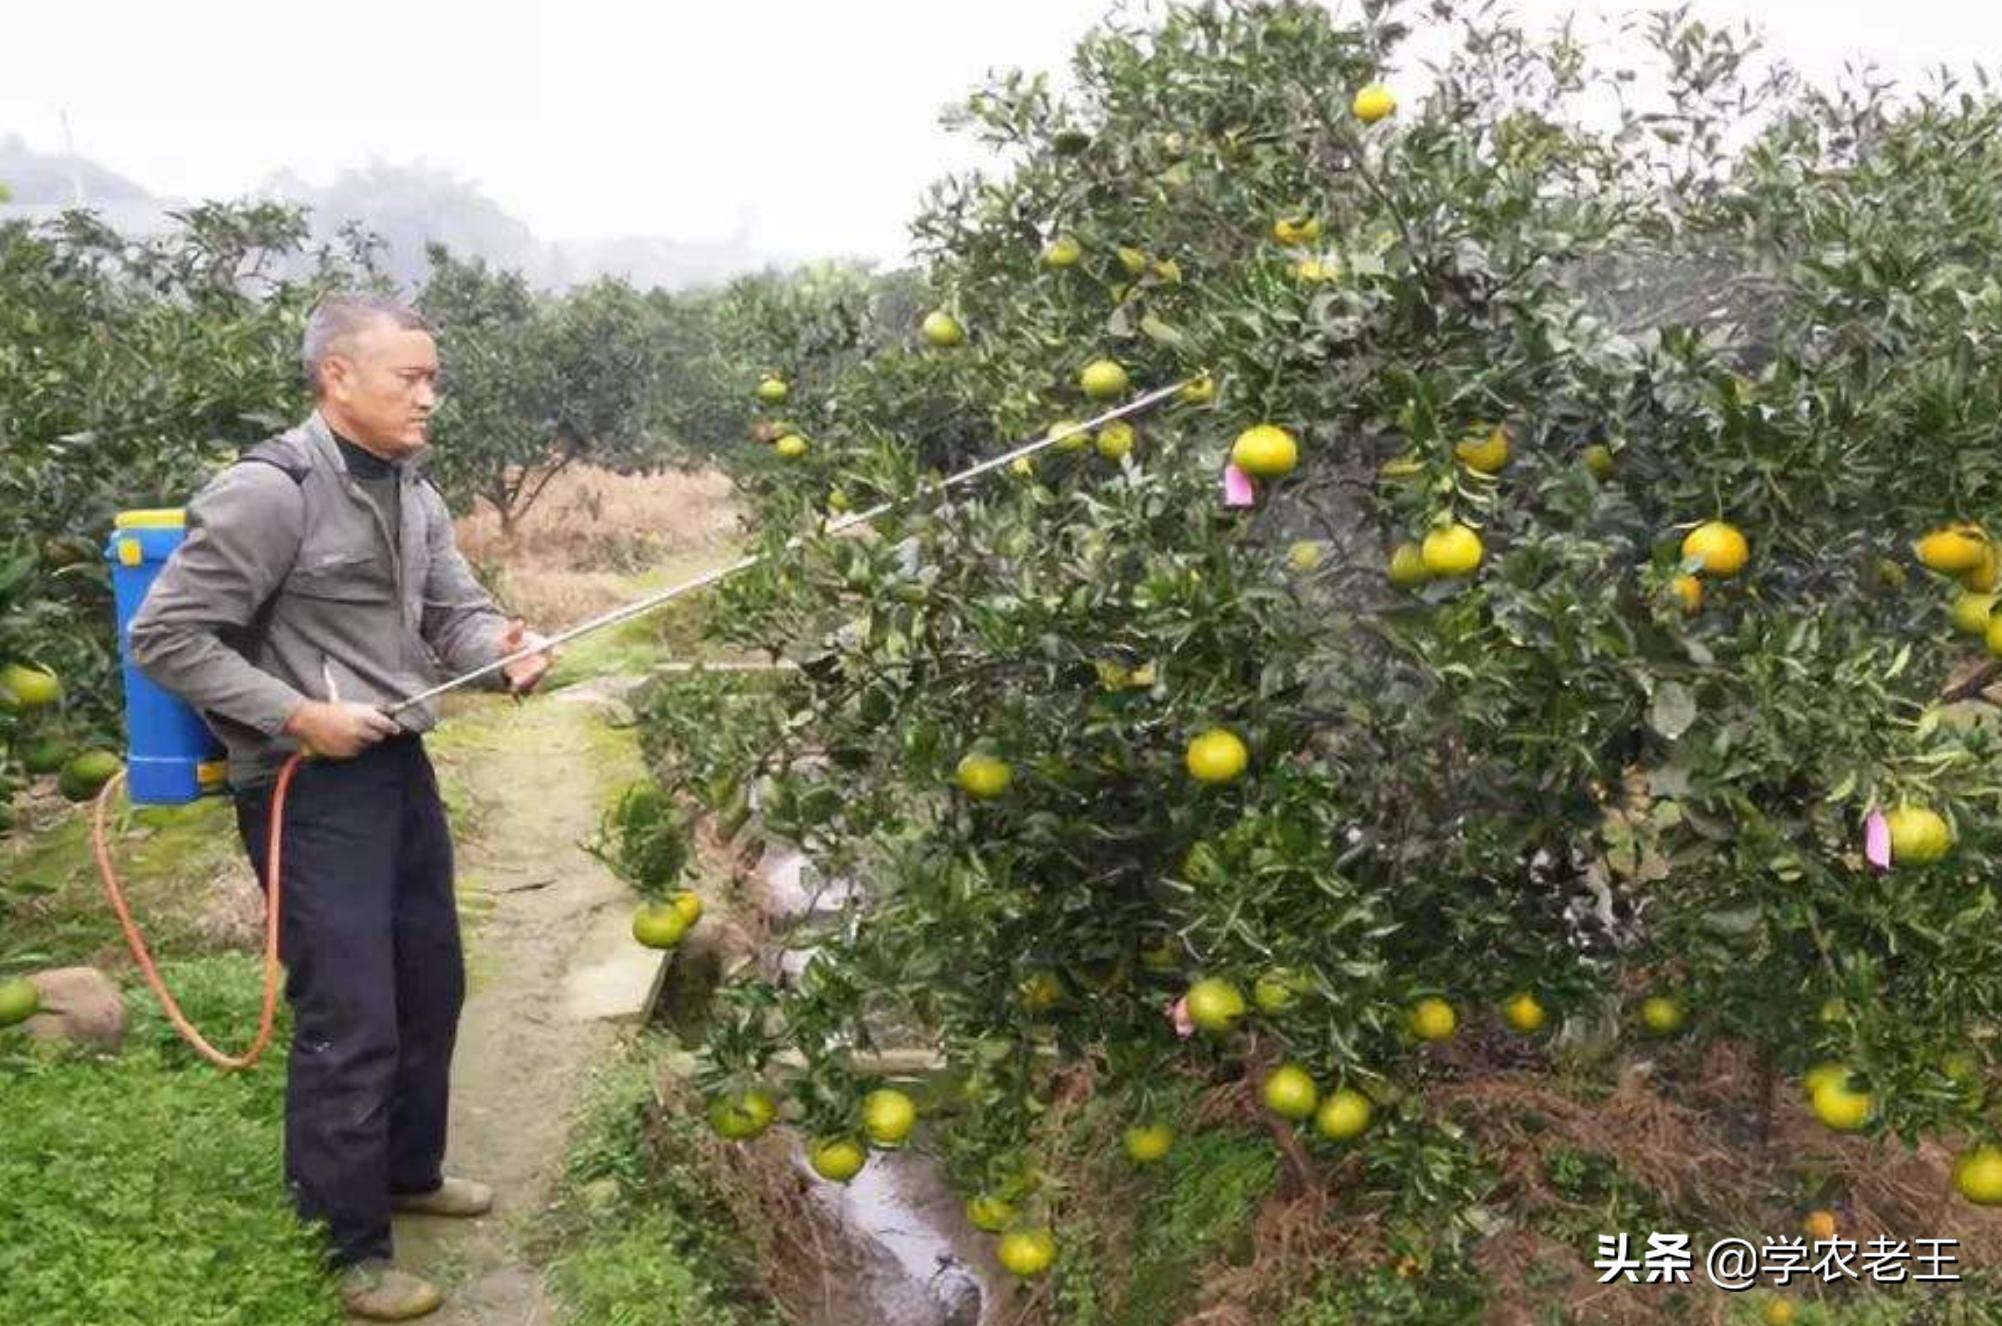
x=274, y=859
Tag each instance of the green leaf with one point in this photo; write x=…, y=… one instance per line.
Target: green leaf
x=1673, y=711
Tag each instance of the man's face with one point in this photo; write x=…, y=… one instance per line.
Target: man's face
x=380, y=388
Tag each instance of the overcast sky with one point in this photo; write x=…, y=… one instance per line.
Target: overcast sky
x=812, y=122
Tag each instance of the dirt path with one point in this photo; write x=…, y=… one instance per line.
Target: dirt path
x=551, y=964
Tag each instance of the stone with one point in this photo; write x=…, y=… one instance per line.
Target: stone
x=80, y=1005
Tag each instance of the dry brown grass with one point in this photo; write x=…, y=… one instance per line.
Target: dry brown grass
x=1700, y=1130
x=579, y=548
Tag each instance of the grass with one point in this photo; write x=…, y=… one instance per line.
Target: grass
x=638, y=1234
x=145, y=1187
x=166, y=855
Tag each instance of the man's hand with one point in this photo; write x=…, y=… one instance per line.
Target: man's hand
x=338, y=729
x=526, y=675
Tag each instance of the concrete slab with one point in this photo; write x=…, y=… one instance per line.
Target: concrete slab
x=610, y=978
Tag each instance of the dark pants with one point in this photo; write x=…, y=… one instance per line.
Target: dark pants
x=369, y=935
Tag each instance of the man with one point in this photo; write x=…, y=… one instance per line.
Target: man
x=319, y=582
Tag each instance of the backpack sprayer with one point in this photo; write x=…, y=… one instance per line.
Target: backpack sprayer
x=172, y=758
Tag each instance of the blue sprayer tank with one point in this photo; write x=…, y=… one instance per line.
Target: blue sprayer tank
x=171, y=756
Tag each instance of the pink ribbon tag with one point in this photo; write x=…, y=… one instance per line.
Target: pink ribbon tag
x=1237, y=489
x=1178, y=1013
x=1877, y=840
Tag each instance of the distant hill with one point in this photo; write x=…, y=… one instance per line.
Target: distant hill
x=38, y=179
x=406, y=206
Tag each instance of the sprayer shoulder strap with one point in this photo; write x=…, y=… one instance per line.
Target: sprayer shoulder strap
x=291, y=459
x=281, y=454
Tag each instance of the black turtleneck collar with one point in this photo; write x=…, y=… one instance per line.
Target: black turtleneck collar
x=362, y=463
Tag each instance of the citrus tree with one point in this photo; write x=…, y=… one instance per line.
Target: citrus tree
x=129, y=368
x=1561, y=661
x=537, y=382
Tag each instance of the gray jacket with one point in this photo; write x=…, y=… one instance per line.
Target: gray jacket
x=287, y=578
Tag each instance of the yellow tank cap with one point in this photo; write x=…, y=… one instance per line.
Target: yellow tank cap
x=159, y=518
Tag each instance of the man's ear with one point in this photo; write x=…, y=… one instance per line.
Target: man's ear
x=336, y=373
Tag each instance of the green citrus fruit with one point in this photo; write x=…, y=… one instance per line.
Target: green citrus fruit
x=1215, y=1004
x=1027, y=1253
x=837, y=1159
x=1147, y=1142
x=1290, y=1093
x=888, y=1116
x=1344, y=1115
x=19, y=1000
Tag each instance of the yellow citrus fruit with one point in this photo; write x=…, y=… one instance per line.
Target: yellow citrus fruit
x=1276, y=991
x=1829, y=1071
x=1217, y=756
x=1199, y=391
x=837, y=1159
x=1344, y=1115
x=1103, y=379
x=659, y=925
x=1374, y=103
x=988, y=1213
x=1663, y=1015
x=1215, y=1004
x=1115, y=440
x=1407, y=566
x=31, y=687
x=1716, y=548
x=688, y=906
x=1985, y=575
x=19, y=1000
x=1305, y=554
x=942, y=329
x=1148, y=1142
x=1599, y=461
x=1779, y=1312
x=1040, y=991
x=1069, y=435
x=1971, y=613
x=1978, y=1175
x=772, y=390
x=1991, y=634
x=1026, y=1253
x=1063, y=251
x=1689, y=591
x=888, y=1116
x=1265, y=451
x=792, y=446
x=837, y=501
x=1523, y=1013
x=1486, y=453
x=742, y=1116
x=1132, y=260
x=1306, y=230
x=1919, y=836
x=1290, y=1093
x=1840, y=1105
x=1451, y=550
x=1819, y=1225
x=1953, y=549
x=1168, y=271
x=1023, y=467
x=1432, y=1019
x=983, y=776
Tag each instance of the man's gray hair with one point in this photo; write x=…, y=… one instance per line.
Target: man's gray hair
x=337, y=318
